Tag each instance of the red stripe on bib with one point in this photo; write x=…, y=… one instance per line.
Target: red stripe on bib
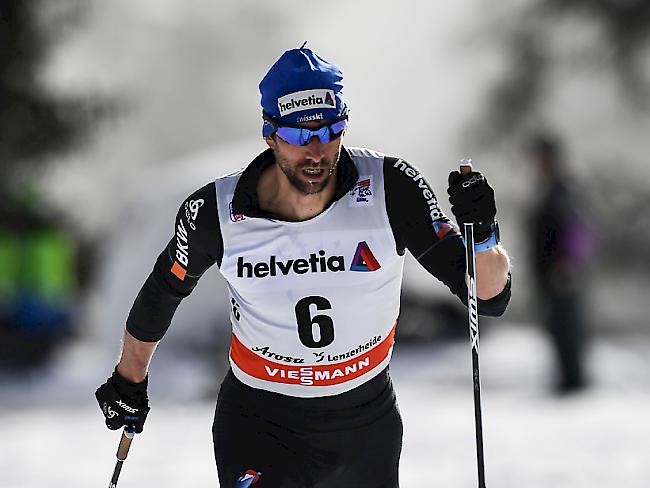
x=314, y=375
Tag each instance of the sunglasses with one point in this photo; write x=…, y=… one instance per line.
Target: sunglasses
x=301, y=136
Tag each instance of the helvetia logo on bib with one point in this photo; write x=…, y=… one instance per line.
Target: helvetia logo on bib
x=320, y=262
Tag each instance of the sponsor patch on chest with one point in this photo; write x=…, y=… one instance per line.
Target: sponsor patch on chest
x=362, y=193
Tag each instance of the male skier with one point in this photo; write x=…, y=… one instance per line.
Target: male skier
x=310, y=238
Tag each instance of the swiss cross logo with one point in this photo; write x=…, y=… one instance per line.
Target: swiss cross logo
x=364, y=259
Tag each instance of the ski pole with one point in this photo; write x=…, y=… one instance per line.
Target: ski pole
x=472, y=307
x=122, y=452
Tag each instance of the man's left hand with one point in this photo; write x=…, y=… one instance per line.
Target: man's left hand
x=472, y=201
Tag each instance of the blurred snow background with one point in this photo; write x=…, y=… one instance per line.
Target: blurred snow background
x=55, y=435
x=180, y=82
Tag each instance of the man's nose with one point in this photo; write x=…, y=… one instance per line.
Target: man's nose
x=314, y=150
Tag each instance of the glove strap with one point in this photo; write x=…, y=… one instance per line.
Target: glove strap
x=490, y=242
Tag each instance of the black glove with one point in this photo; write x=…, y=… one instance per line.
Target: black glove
x=472, y=201
x=123, y=402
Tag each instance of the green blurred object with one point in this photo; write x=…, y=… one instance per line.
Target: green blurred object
x=38, y=282
x=40, y=263
x=9, y=264
x=48, y=265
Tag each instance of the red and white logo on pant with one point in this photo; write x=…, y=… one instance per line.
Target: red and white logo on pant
x=249, y=477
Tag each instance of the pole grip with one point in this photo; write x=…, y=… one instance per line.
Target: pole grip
x=125, y=444
x=465, y=167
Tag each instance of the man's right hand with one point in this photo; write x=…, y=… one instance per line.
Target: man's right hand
x=123, y=402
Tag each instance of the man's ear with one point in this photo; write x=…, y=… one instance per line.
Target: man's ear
x=270, y=141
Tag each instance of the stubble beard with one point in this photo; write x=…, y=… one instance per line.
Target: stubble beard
x=305, y=187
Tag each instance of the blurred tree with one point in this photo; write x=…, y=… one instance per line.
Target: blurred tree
x=626, y=24
x=43, y=264
x=550, y=42
x=33, y=122
x=539, y=39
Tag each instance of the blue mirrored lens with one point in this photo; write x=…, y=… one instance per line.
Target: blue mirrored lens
x=338, y=127
x=290, y=135
x=300, y=137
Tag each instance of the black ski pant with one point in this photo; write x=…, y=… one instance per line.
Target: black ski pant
x=351, y=440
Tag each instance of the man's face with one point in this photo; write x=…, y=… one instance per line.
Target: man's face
x=308, y=168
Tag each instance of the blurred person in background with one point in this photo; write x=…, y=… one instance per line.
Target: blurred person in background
x=38, y=281
x=561, y=246
x=310, y=237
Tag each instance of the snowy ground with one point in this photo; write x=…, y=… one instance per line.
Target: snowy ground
x=53, y=436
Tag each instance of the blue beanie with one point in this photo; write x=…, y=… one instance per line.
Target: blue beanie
x=302, y=87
